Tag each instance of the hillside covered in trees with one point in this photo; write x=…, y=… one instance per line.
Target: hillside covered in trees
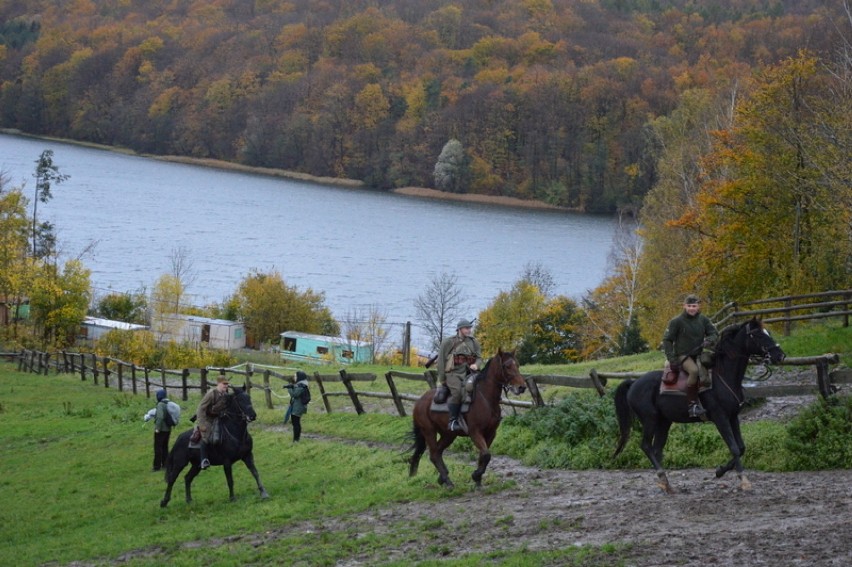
x=556, y=100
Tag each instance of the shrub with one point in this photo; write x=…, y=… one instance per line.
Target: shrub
x=818, y=438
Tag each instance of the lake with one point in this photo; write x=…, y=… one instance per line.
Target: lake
x=361, y=248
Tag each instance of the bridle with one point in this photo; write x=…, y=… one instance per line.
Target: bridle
x=763, y=357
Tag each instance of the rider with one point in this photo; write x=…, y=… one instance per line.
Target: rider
x=683, y=341
x=458, y=356
x=211, y=407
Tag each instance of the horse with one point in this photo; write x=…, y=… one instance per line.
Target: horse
x=642, y=398
x=499, y=373
x=236, y=445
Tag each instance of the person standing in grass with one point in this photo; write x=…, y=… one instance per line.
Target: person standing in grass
x=300, y=397
x=162, y=431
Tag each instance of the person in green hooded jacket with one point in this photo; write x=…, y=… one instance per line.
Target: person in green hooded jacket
x=685, y=337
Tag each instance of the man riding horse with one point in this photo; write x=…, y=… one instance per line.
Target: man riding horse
x=683, y=340
x=211, y=407
x=458, y=356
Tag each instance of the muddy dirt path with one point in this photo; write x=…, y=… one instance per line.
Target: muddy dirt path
x=800, y=518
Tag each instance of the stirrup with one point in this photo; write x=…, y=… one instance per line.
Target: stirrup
x=695, y=410
x=205, y=464
x=455, y=425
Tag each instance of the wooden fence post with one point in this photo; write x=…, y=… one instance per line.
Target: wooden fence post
x=146, y=371
x=823, y=380
x=267, y=389
x=325, y=401
x=396, y=399
x=535, y=393
x=120, y=376
x=355, y=401
x=133, y=377
x=593, y=374
x=94, y=367
x=184, y=380
x=204, y=384
x=107, y=371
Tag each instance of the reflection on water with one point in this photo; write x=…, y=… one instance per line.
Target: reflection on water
x=359, y=247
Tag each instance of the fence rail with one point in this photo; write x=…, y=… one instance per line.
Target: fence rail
x=818, y=310
x=128, y=377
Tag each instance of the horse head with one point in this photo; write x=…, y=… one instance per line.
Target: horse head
x=760, y=343
x=510, y=375
x=242, y=401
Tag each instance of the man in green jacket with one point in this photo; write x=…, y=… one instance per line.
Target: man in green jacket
x=683, y=341
x=458, y=356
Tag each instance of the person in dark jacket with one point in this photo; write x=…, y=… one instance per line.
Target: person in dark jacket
x=162, y=431
x=686, y=335
x=298, y=403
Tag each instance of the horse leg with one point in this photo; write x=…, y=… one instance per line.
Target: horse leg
x=484, y=458
x=655, y=433
x=172, y=473
x=188, y=478
x=730, y=432
x=249, y=461
x=229, y=476
x=436, y=455
x=417, y=448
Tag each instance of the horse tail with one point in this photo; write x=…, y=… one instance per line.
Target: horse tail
x=624, y=415
x=417, y=447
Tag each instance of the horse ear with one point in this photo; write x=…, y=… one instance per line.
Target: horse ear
x=499, y=351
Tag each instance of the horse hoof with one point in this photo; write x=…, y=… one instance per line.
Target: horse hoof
x=164, y=503
x=720, y=472
x=264, y=495
x=745, y=484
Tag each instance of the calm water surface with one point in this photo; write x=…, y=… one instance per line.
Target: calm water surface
x=360, y=248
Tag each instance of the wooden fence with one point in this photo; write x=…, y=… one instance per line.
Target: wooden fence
x=829, y=304
x=128, y=377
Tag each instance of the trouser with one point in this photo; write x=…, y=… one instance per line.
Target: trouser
x=161, y=449
x=297, y=426
x=455, y=383
x=695, y=371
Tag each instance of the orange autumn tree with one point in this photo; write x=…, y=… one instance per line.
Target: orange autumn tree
x=768, y=220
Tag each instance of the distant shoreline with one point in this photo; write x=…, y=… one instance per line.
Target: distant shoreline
x=420, y=192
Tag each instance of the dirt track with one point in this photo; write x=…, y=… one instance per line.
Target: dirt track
x=786, y=519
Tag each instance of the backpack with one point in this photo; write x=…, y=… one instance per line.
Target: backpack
x=172, y=416
x=306, y=396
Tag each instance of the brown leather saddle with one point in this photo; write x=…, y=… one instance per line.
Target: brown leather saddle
x=675, y=383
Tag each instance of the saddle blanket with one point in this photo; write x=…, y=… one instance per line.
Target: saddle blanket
x=442, y=408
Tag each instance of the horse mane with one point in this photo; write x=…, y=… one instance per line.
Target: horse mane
x=728, y=333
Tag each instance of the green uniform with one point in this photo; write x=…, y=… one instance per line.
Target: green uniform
x=455, y=357
x=684, y=335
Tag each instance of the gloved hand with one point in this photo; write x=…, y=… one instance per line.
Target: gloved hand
x=674, y=367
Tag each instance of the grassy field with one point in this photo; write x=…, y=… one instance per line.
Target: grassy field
x=76, y=487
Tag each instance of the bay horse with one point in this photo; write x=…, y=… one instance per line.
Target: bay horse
x=642, y=398
x=431, y=429
x=236, y=445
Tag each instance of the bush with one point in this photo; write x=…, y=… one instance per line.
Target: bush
x=818, y=438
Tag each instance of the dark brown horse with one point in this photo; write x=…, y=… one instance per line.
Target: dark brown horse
x=499, y=373
x=236, y=445
x=657, y=412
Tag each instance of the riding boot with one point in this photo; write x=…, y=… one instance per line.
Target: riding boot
x=202, y=451
x=455, y=409
x=695, y=409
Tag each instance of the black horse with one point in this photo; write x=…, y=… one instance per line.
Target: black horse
x=657, y=412
x=235, y=445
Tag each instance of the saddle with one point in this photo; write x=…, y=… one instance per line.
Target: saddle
x=439, y=400
x=675, y=383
